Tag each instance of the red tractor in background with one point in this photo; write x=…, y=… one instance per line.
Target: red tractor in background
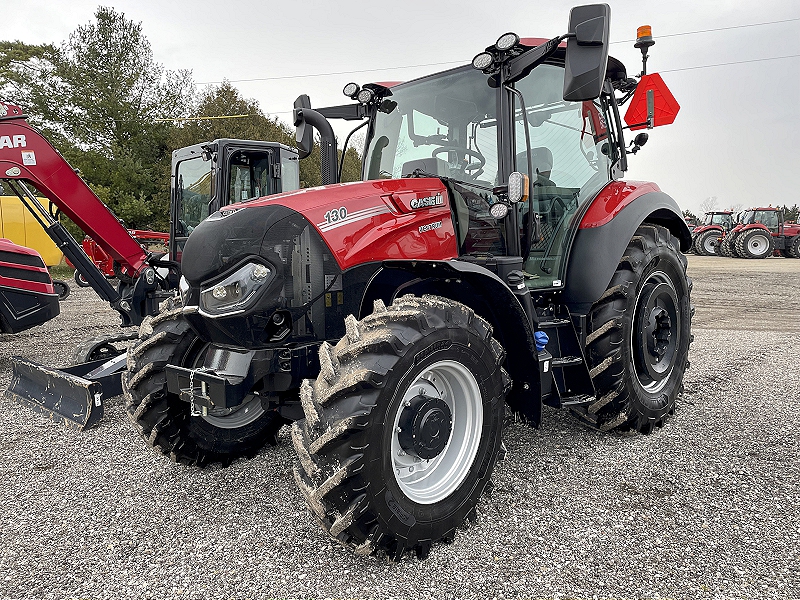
x=713, y=226
x=107, y=265
x=761, y=232
x=27, y=295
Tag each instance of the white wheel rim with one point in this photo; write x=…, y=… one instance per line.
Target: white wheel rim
x=429, y=481
x=757, y=244
x=708, y=244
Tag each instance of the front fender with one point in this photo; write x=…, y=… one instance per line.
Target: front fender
x=489, y=297
x=597, y=250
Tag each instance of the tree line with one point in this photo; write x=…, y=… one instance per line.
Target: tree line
x=116, y=114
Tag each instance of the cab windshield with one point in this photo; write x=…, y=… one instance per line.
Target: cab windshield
x=193, y=188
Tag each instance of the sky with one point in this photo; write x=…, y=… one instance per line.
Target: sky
x=736, y=137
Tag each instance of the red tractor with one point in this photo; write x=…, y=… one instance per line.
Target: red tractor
x=492, y=260
x=27, y=296
x=713, y=226
x=105, y=263
x=760, y=233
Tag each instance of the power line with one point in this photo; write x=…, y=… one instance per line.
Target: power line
x=715, y=29
x=462, y=62
x=459, y=62
x=737, y=62
x=200, y=118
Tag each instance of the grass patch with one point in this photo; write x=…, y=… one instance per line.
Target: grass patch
x=61, y=271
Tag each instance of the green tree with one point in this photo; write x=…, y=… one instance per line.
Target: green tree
x=101, y=98
x=791, y=214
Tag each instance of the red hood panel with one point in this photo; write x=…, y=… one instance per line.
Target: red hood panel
x=378, y=220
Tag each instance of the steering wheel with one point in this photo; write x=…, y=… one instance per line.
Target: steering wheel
x=471, y=169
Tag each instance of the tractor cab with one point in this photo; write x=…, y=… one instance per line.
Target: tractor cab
x=448, y=126
x=771, y=218
x=723, y=218
x=210, y=175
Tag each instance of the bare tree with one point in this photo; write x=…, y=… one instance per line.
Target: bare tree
x=709, y=204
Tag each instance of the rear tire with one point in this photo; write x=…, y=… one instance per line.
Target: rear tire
x=755, y=243
x=163, y=419
x=358, y=474
x=639, y=334
x=794, y=247
x=724, y=247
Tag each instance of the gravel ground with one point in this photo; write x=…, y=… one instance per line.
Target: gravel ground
x=706, y=507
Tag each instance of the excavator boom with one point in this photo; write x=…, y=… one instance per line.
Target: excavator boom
x=26, y=156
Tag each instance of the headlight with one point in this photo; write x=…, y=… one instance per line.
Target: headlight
x=235, y=291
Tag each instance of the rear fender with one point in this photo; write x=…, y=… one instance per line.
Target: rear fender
x=752, y=226
x=596, y=250
x=700, y=230
x=489, y=297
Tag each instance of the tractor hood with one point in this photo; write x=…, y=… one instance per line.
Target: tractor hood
x=358, y=222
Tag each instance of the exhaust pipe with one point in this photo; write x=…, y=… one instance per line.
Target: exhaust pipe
x=305, y=119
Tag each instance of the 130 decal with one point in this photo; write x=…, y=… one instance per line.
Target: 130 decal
x=337, y=214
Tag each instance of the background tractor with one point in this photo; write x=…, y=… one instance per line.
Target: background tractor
x=713, y=226
x=396, y=320
x=762, y=232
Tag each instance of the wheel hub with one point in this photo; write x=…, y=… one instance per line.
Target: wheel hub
x=656, y=335
x=660, y=329
x=425, y=426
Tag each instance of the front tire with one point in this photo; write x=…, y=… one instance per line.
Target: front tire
x=705, y=242
x=163, y=419
x=639, y=334
x=403, y=426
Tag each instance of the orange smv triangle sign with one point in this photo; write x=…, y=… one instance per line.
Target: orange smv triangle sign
x=661, y=104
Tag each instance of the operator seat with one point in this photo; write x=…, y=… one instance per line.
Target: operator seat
x=542, y=163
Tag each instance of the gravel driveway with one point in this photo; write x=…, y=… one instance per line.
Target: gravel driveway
x=706, y=507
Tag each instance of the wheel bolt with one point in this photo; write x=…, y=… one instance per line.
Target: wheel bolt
x=398, y=430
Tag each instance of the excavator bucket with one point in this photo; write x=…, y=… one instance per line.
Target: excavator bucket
x=72, y=396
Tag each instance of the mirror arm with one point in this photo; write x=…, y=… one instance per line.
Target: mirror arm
x=519, y=66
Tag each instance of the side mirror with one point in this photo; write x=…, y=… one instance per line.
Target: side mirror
x=587, y=52
x=304, y=135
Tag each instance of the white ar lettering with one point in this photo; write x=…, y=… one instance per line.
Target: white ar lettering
x=18, y=142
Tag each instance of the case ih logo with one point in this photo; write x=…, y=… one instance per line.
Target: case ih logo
x=436, y=200
x=12, y=141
